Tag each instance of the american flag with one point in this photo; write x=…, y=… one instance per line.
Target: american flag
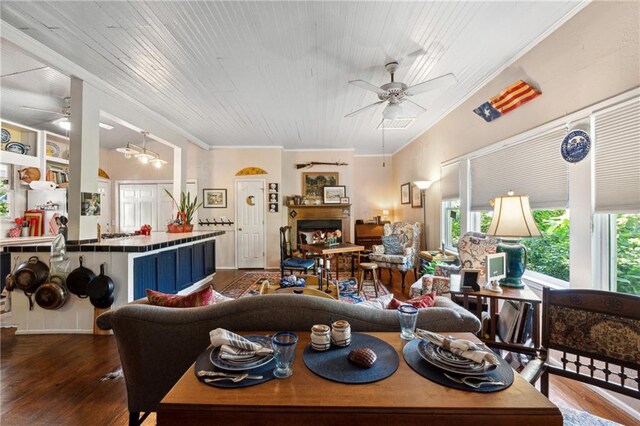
x=509, y=99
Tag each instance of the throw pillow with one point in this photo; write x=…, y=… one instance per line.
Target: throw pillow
x=424, y=301
x=379, y=303
x=392, y=245
x=445, y=270
x=395, y=304
x=204, y=297
x=441, y=285
x=306, y=237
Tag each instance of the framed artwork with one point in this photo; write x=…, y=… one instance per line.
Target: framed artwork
x=469, y=279
x=273, y=207
x=313, y=182
x=405, y=195
x=273, y=188
x=416, y=197
x=344, y=200
x=89, y=204
x=214, y=198
x=273, y=198
x=333, y=194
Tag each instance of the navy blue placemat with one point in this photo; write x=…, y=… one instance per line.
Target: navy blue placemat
x=204, y=363
x=334, y=364
x=410, y=353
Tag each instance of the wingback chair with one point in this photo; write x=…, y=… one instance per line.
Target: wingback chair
x=403, y=258
x=473, y=248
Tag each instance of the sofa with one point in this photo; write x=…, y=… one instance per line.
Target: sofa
x=157, y=344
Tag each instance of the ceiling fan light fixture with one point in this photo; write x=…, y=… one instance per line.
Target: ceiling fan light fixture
x=392, y=112
x=63, y=122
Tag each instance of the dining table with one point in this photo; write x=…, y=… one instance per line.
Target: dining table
x=326, y=251
x=403, y=398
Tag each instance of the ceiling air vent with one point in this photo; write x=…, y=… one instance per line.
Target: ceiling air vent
x=398, y=124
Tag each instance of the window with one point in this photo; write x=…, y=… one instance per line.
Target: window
x=625, y=246
x=548, y=255
x=451, y=222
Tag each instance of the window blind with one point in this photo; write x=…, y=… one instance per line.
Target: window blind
x=450, y=182
x=533, y=167
x=617, y=158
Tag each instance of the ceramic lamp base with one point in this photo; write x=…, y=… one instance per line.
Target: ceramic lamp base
x=516, y=263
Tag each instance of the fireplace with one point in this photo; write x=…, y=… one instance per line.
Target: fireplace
x=309, y=230
x=311, y=218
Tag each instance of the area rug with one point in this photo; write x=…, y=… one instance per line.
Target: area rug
x=573, y=417
x=249, y=285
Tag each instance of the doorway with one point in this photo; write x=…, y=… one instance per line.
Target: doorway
x=250, y=222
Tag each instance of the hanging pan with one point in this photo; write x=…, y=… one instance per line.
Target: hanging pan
x=78, y=280
x=52, y=294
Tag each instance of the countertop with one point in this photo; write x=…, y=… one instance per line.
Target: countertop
x=138, y=243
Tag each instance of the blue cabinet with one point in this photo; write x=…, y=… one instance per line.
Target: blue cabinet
x=183, y=274
x=145, y=275
x=197, y=262
x=173, y=270
x=210, y=257
x=167, y=266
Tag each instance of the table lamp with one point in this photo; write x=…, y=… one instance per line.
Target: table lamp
x=385, y=215
x=511, y=221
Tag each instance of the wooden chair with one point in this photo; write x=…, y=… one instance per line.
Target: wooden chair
x=373, y=269
x=598, y=336
x=287, y=260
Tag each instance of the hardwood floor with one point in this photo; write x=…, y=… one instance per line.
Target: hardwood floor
x=55, y=379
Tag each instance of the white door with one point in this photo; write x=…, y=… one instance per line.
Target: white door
x=138, y=206
x=250, y=235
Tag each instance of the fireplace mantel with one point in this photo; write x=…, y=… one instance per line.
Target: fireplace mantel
x=340, y=212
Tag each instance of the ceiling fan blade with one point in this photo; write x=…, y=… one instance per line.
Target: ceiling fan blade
x=436, y=83
x=368, y=86
x=43, y=110
x=356, y=112
x=420, y=107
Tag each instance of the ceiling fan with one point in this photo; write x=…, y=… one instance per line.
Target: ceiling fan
x=395, y=93
x=65, y=112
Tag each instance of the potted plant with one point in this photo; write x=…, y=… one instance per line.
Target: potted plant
x=186, y=209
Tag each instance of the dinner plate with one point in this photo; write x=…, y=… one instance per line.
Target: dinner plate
x=427, y=351
x=6, y=136
x=226, y=364
x=16, y=148
x=450, y=358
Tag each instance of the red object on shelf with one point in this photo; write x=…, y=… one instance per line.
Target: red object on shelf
x=36, y=222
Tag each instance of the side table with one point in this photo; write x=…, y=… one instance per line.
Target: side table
x=519, y=295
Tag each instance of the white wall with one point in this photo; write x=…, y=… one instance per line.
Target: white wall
x=373, y=188
x=592, y=57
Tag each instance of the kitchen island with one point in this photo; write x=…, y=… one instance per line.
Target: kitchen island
x=170, y=263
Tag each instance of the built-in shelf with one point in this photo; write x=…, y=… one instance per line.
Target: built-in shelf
x=57, y=160
x=19, y=159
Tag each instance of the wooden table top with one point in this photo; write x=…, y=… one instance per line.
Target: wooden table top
x=403, y=398
x=521, y=294
x=311, y=288
x=325, y=249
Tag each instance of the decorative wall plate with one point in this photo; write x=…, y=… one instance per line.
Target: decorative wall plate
x=53, y=150
x=6, y=136
x=575, y=146
x=17, y=148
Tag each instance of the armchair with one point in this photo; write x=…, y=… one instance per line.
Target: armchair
x=597, y=334
x=409, y=237
x=287, y=260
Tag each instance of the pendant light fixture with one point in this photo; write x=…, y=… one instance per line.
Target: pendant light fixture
x=146, y=156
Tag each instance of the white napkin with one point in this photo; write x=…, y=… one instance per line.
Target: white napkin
x=235, y=347
x=460, y=347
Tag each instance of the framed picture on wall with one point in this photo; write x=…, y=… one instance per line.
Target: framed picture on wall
x=416, y=197
x=405, y=195
x=214, y=198
x=344, y=200
x=333, y=194
x=313, y=182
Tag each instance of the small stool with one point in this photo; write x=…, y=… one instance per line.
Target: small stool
x=373, y=268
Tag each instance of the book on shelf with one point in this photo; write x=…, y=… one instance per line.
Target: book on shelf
x=515, y=322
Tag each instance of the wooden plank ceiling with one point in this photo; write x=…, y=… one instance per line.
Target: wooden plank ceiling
x=276, y=73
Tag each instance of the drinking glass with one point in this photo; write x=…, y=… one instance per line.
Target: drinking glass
x=284, y=349
x=408, y=316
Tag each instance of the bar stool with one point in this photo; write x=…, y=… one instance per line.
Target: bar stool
x=373, y=269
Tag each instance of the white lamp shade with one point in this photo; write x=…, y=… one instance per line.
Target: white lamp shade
x=392, y=112
x=512, y=218
x=423, y=184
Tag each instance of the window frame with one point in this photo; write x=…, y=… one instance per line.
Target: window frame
x=445, y=231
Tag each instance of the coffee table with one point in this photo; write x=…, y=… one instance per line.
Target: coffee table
x=325, y=251
x=404, y=398
x=311, y=288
